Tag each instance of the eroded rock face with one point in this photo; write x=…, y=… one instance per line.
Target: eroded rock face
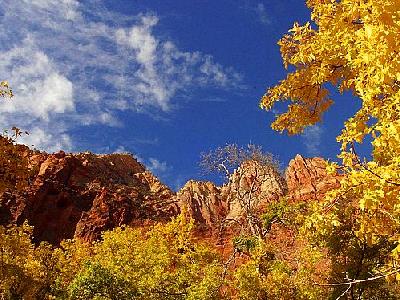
x=80, y=195
x=255, y=187
x=204, y=203
x=308, y=180
x=215, y=208
x=252, y=185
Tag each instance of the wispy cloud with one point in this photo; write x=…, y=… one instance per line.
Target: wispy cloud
x=159, y=168
x=257, y=10
x=156, y=166
x=312, y=138
x=71, y=64
x=121, y=149
x=262, y=13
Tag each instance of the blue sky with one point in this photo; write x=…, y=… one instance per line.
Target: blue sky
x=164, y=80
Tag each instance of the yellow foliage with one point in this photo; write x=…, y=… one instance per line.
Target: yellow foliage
x=354, y=46
x=13, y=158
x=5, y=90
x=265, y=276
x=14, y=163
x=163, y=262
x=26, y=271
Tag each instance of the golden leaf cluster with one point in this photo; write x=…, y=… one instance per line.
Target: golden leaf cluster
x=352, y=46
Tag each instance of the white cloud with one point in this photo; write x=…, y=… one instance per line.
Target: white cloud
x=312, y=137
x=214, y=71
x=67, y=7
x=257, y=10
x=262, y=13
x=47, y=139
x=163, y=69
x=156, y=166
x=74, y=63
x=121, y=149
x=42, y=94
x=39, y=88
x=159, y=168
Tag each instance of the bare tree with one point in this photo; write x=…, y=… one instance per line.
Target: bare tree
x=248, y=169
x=226, y=159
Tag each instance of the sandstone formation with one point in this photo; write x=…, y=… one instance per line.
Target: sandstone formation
x=204, y=203
x=249, y=189
x=252, y=187
x=308, y=180
x=81, y=195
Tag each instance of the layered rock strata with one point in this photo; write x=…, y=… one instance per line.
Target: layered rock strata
x=81, y=195
x=308, y=180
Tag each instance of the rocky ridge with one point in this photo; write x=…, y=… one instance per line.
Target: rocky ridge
x=81, y=195
x=308, y=180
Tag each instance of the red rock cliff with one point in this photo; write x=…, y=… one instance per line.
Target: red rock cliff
x=308, y=180
x=81, y=195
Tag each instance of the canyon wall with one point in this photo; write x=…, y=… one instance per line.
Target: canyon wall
x=81, y=195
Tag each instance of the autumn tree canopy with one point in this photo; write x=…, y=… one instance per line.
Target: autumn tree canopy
x=5, y=90
x=353, y=46
x=13, y=158
x=347, y=245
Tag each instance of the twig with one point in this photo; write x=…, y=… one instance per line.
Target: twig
x=356, y=281
x=344, y=293
x=364, y=166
